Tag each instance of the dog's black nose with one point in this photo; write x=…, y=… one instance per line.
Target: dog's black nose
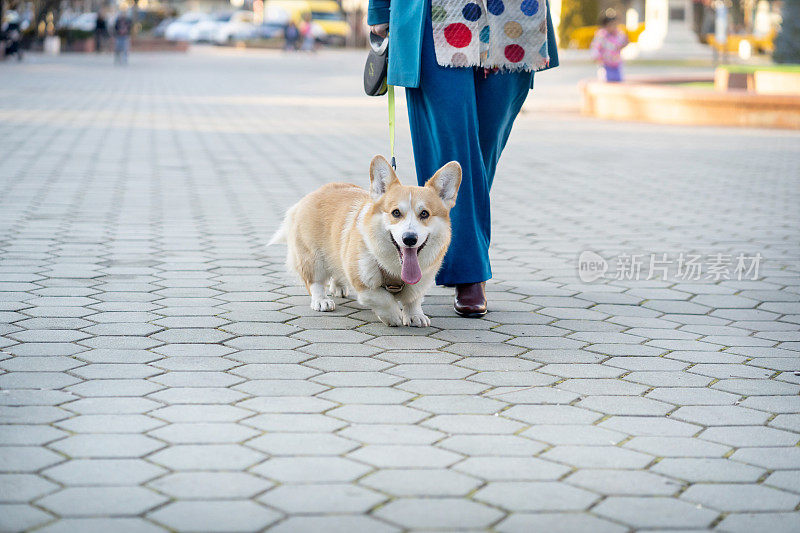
x=409, y=239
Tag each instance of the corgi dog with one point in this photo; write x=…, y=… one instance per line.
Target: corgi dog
x=387, y=244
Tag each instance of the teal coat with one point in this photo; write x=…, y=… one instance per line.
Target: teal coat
x=405, y=38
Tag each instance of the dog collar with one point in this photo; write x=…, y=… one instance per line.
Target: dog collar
x=391, y=284
x=393, y=288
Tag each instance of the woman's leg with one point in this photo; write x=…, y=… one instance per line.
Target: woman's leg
x=444, y=121
x=499, y=99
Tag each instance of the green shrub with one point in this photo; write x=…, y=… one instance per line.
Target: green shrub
x=70, y=35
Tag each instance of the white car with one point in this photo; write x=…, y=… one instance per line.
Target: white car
x=183, y=29
x=83, y=22
x=239, y=27
x=205, y=30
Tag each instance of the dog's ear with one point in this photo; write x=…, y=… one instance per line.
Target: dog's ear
x=381, y=176
x=446, y=182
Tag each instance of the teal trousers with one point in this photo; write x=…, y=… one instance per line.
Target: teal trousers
x=464, y=115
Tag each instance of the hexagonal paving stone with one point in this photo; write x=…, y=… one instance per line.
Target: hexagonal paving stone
x=421, y=482
x=535, y=496
x=29, y=434
x=677, y=447
x=498, y=445
x=650, y=426
x=597, y=457
x=26, y=458
x=574, y=434
x=707, y=469
x=20, y=517
x=738, y=498
x=103, y=472
x=327, y=498
x=511, y=468
x=390, y=434
x=101, y=501
x=747, y=522
x=210, y=515
x=742, y=436
x=210, y=485
x=473, y=424
x=551, y=414
x=100, y=525
x=311, y=469
x=377, y=414
x=207, y=457
x=21, y=488
x=720, y=415
x=650, y=512
x=333, y=524
x=457, y=404
x=440, y=513
x=302, y=444
x=624, y=482
x=404, y=456
x=203, y=433
x=110, y=423
x=525, y=522
x=109, y=445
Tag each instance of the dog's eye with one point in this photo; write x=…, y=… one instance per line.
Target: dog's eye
x=396, y=213
x=424, y=214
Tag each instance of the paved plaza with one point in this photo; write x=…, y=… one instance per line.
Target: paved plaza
x=159, y=370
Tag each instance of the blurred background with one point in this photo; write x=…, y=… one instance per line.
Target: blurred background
x=684, y=28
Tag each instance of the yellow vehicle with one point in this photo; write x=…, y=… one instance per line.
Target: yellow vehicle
x=326, y=14
x=764, y=44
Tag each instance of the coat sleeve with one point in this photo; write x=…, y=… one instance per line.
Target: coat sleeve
x=378, y=12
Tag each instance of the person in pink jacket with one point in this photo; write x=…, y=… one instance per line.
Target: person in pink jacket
x=606, y=46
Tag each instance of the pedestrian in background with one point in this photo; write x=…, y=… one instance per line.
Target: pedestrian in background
x=122, y=36
x=100, y=31
x=467, y=67
x=607, y=47
x=291, y=35
x=308, y=33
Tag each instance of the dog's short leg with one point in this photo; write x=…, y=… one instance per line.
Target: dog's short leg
x=413, y=315
x=338, y=289
x=383, y=304
x=319, y=301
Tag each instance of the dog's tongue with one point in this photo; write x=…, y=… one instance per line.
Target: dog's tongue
x=410, y=272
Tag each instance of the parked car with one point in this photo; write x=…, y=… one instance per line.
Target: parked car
x=205, y=30
x=183, y=29
x=161, y=28
x=270, y=29
x=83, y=22
x=326, y=15
x=239, y=27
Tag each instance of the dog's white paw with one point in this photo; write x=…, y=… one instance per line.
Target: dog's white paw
x=391, y=319
x=417, y=320
x=323, y=304
x=339, y=292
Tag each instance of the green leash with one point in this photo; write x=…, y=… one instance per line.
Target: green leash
x=390, y=89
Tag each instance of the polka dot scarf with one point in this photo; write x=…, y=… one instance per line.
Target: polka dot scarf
x=492, y=34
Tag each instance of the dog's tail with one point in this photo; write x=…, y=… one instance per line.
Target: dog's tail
x=280, y=236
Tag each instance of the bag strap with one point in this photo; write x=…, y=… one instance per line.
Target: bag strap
x=390, y=89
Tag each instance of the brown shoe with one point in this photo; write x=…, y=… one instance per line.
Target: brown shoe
x=470, y=300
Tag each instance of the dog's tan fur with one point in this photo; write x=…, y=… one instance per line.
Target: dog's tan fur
x=340, y=236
